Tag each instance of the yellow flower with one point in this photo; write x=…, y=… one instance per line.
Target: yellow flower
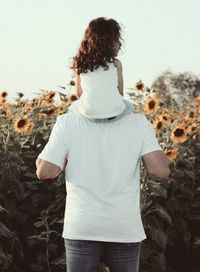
x=36, y=101
x=196, y=135
x=172, y=121
x=151, y=105
x=27, y=107
x=9, y=110
x=186, y=121
x=166, y=119
x=29, y=128
x=64, y=99
x=196, y=101
x=178, y=135
x=3, y=95
x=2, y=100
x=7, y=107
x=50, y=95
x=192, y=113
x=171, y=154
x=48, y=112
x=49, y=101
x=61, y=108
x=192, y=128
x=158, y=125
x=49, y=98
x=20, y=125
x=72, y=98
x=2, y=106
x=72, y=83
x=139, y=85
x=165, y=110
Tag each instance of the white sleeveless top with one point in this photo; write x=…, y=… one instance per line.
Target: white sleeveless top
x=100, y=97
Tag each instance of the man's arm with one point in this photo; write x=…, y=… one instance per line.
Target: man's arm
x=46, y=170
x=157, y=164
x=51, y=161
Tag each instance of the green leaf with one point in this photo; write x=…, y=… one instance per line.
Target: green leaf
x=61, y=261
x=5, y=232
x=159, y=210
x=3, y=210
x=159, y=237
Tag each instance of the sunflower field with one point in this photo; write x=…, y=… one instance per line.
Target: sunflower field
x=31, y=211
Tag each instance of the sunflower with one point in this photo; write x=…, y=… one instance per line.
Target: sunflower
x=20, y=94
x=50, y=95
x=49, y=98
x=172, y=121
x=48, y=112
x=196, y=134
x=166, y=119
x=192, y=114
x=8, y=108
x=171, y=154
x=139, y=85
x=192, y=128
x=27, y=107
x=158, y=125
x=196, y=101
x=72, y=83
x=36, y=101
x=2, y=100
x=190, y=117
x=3, y=94
x=64, y=99
x=61, y=109
x=2, y=106
x=20, y=125
x=165, y=110
x=72, y=98
x=29, y=128
x=178, y=135
x=185, y=122
x=151, y=105
x=49, y=101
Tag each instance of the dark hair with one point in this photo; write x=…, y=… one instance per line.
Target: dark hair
x=97, y=45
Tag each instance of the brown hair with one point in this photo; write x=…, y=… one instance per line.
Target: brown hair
x=97, y=45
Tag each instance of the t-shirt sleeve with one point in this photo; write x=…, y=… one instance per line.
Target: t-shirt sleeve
x=56, y=149
x=150, y=142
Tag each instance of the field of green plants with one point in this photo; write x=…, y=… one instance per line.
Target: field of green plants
x=31, y=211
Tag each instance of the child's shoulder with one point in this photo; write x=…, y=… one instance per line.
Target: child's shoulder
x=117, y=63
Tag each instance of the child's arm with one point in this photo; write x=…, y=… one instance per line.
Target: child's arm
x=120, y=76
x=78, y=88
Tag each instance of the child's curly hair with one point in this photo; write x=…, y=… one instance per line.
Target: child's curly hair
x=97, y=45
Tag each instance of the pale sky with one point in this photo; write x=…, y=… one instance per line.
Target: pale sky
x=38, y=37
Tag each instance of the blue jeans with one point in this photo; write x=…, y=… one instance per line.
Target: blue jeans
x=85, y=256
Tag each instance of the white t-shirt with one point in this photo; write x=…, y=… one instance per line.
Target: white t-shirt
x=100, y=97
x=102, y=174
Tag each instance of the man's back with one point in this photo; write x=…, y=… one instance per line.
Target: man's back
x=102, y=175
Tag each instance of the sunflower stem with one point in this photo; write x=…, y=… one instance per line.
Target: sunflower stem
x=6, y=142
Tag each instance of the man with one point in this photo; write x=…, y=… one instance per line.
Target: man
x=102, y=217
